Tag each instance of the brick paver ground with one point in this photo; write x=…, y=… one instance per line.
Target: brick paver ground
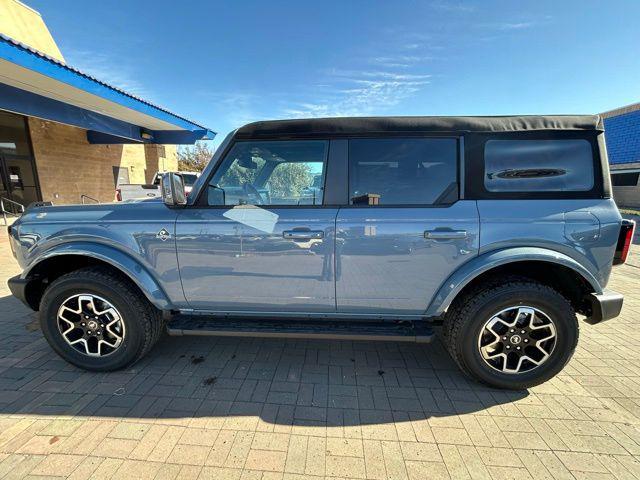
x=255, y=408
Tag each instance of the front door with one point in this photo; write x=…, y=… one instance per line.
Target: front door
x=405, y=230
x=260, y=239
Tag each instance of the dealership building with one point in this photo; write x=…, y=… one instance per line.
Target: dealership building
x=65, y=136
x=622, y=127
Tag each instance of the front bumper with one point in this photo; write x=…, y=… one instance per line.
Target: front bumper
x=18, y=287
x=604, y=306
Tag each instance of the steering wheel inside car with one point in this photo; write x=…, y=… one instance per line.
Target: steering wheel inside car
x=249, y=189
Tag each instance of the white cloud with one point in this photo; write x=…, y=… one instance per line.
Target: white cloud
x=516, y=26
x=360, y=93
x=520, y=24
x=400, y=61
x=115, y=72
x=377, y=80
x=461, y=7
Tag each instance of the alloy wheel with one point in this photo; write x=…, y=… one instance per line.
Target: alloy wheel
x=517, y=339
x=91, y=325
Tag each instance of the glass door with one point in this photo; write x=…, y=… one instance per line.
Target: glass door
x=4, y=189
x=18, y=178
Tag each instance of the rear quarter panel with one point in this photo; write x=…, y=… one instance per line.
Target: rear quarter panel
x=585, y=230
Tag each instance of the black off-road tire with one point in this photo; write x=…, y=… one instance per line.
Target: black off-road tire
x=467, y=316
x=143, y=322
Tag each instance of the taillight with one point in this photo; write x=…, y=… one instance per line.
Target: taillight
x=118, y=195
x=624, y=241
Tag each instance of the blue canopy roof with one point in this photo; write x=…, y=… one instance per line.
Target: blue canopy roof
x=35, y=84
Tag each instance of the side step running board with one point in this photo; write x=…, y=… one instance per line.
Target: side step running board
x=397, y=331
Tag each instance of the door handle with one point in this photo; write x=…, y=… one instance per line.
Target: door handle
x=445, y=234
x=303, y=234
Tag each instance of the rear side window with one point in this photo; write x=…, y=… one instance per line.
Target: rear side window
x=538, y=165
x=403, y=171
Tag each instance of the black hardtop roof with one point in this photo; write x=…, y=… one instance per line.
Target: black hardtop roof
x=367, y=125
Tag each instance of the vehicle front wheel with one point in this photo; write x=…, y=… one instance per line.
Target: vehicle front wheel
x=96, y=319
x=513, y=336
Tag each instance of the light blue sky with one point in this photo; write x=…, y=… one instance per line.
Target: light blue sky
x=227, y=63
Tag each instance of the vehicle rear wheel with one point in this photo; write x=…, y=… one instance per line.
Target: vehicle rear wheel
x=96, y=319
x=514, y=336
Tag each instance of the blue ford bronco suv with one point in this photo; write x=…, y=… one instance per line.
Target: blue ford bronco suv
x=501, y=229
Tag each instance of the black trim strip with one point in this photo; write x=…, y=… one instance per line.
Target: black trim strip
x=336, y=177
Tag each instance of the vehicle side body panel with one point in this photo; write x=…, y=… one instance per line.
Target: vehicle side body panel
x=124, y=235
x=247, y=258
x=385, y=262
x=489, y=260
x=584, y=230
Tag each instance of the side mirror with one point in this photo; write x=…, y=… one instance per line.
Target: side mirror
x=172, y=190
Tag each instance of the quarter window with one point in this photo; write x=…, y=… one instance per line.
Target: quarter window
x=403, y=171
x=271, y=173
x=538, y=165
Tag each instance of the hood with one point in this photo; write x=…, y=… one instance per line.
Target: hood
x=130, y=210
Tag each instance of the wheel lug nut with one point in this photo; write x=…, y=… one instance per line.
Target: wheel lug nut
x=508, y=347
x=517, y=348
x=504, y=338
x=526, y=340
x=521, y=331
x=512, y=330
x=83, y=324
x=101, y=326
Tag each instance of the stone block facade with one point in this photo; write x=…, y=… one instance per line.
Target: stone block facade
x=68, y=166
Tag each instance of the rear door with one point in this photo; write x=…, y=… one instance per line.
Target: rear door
x=405, y=229
x=261, y=239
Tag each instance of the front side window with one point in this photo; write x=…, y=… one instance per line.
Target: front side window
x=403, y=171
x=538, y=165
x=271, y=173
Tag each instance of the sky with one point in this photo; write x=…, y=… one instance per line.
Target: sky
x=227, y=63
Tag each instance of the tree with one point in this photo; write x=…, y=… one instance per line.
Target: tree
x=194, y=158
x=289, y=179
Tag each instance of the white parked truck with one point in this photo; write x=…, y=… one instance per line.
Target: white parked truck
x=130, y=191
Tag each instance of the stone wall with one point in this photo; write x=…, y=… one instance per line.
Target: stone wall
x=68, y=166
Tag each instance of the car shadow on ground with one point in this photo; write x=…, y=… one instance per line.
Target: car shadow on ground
x=291, y=382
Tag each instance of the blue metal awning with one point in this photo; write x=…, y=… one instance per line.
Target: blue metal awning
x=37, y=85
